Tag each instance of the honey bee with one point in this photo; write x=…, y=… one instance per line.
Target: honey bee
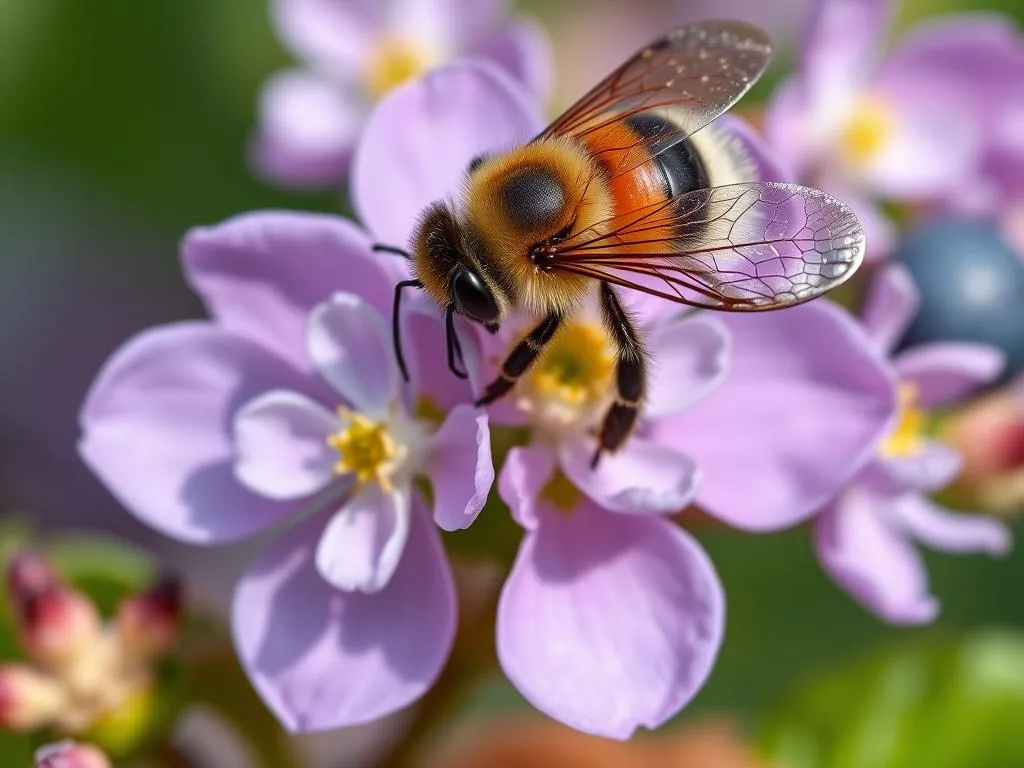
x=631, y=189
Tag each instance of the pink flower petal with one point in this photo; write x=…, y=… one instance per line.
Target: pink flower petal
x=420, y=139
x=526, y=471
x=336, y=36
x=322, y=658
x=945, y=371
x=804, y=406
x=450, y=25
x=363, y=542
x=460, y=467
x=789, y=127
x=929, y=469
x=689, y=358
x=523, y=49
x=872, y=560
x=260, y=274
x=891, y=304
x=281, y=449
x=842, y=42
x=973, y=57
x=156, y=429
x=350, y=346
x=307, y=127
x=609, y=622
x=768, y=165
x=425, y=345
x=935, y=143
x=643, y=476
x=941, y=529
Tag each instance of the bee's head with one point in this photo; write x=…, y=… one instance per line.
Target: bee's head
x=444, y=261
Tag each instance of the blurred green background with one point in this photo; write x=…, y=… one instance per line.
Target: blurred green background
x=123, y=123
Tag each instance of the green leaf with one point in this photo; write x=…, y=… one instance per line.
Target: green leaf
x=940, y=703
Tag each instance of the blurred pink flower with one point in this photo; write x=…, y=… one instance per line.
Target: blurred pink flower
x=355, y=51
x=80, y=670
x=914, y=125
x=68, y=754
x=865, y=538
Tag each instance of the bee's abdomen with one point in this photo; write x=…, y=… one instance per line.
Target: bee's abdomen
x=679, y=166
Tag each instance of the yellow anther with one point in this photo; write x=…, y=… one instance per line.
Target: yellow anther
x=908, y=436
x=561, y=493
x=394, y=62
x=365, y=449
x=576, y=367
x=869, y=127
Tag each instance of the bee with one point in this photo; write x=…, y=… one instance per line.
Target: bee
x=631, y=189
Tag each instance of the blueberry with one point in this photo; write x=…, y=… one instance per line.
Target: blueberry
x=971, y=281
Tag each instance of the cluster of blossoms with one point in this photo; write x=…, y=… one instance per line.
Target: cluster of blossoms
x=354, y=53
x=83, y=670
x=287, y=405
x=934, y=122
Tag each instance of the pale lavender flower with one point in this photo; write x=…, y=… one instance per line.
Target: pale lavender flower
x=866, y=537
x=612, y=616
x=913, y=125
x=214, y=430
x=352, y=52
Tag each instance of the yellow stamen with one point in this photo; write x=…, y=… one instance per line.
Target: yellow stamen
x=561, y=492
x=908, y=436
x=365, y=449
x=576, y=367
x=428, y=410
x=869, y=127
x=394, y=62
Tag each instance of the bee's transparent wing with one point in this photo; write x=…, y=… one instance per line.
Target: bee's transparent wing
x=742, y=247
x=694, y=73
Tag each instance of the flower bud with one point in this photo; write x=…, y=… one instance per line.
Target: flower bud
x=28, y=699
x=28, y=574
x=56, y=623
x=67, y=754
x=148, y=621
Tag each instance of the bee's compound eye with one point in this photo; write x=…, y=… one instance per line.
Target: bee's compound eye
x=471, y=296
x=533, y=198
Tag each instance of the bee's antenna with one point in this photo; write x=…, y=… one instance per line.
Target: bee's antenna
x=381, y=248
x=454, y=347
x=396, y=332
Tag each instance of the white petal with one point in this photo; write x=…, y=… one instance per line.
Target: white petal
x=281, y=449
x=363, y=543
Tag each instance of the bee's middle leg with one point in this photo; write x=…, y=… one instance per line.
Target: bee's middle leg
x=520, y=358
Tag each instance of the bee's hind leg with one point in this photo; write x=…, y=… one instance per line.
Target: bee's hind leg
x=630, y=375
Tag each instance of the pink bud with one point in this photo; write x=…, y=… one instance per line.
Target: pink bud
x=67, y=754
x=29, y=574
x=149, y=621
x=56, y=623
x=28, y=699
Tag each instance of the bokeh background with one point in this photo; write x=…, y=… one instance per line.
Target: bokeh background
x=124, y=123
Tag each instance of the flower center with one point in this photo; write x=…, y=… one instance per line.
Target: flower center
x=561, y=493
x=866, y=131
x=571, y=380
x=908, y=436
x=365, y=449
x=394, y=62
